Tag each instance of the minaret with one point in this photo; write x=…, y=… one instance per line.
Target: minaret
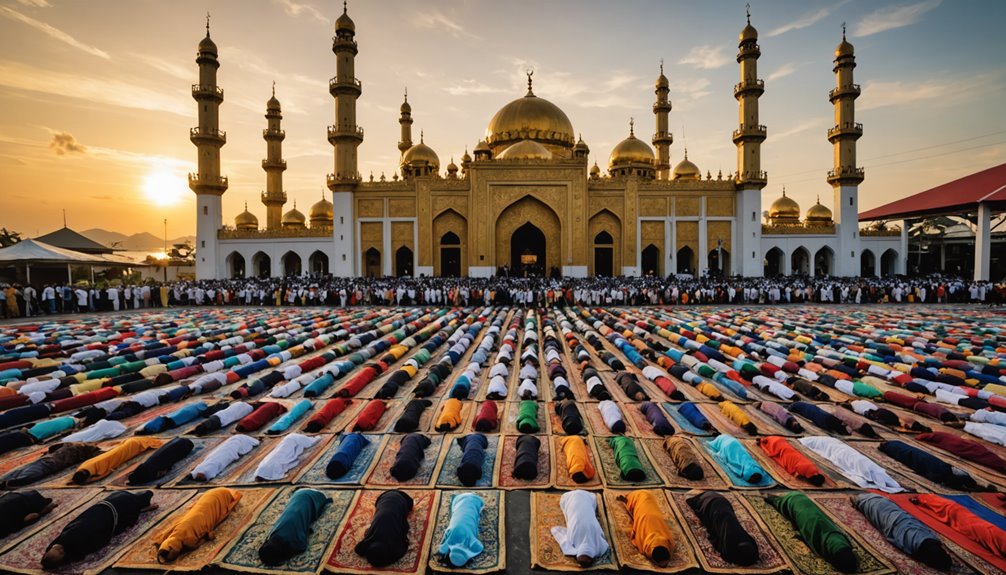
x=207, y=183
x=845, y=177
x=274, y=165
x=344, y=136
x=405, y=121
x=750, y=179
x=662, y=138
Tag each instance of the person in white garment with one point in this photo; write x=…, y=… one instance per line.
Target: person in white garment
x=582, y=537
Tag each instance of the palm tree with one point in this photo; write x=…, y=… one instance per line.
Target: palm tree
x=8, y=237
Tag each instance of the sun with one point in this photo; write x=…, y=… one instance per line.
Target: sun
x=164, y=187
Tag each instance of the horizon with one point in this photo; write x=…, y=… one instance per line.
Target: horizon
x=96, y=113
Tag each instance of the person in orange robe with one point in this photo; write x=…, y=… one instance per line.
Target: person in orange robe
x=737, y=415
x=794, y=462
x=581, y=470
x=450, y=415
x=958, y=518
x=197, y=523
x=101, y=465
x=650, y=533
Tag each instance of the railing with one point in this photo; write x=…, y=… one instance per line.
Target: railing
x=335, y=132
x=662, y=136
x=207, y=134
x=334, y=82
x=206, y=180
x=759, y=131
x=331, y=180
x=761, y=176
x=848, y=88
x=749, y=86
x=280, y=197
x=267, y=133
x=851, y=173
x=216, y=91
x=269, y=163
x=853, y=128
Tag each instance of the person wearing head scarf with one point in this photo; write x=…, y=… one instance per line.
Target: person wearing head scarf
x=289, y=534
x=94, y=528
x=731, y=454
x=569, y=415
x=387, y=539
x=487, y=418
x=816, y=529
x=612, y=416
x=525, y=464
x=527, y=416
x=411, y=415
x=582, y=537
x=22, y=509
x=737, y=416
x=627, y=458
x=650, y=534
x=685, y=460
x=460, y=542
x=197, y=523
x=657, y=419
x=411, y=452
x=473, y=453
x=819, y=417
x=102, y=465
x=350, y=447
x=370, y=415
x=903, y=530
x=284, y=457
x=578, y=463
x=929, y=466
x=727, y=535
x=694, y=416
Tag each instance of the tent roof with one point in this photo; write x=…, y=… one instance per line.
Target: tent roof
x=68, y=239
x=962, y=195
x=33, y=251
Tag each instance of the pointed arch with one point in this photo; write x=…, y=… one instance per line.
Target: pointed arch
x=605, y=230
x=261, y=265
x=450, y=232
x=889, y=262
x=530, y=210
x=318, y=263
x=775, y=262
x=867, y=263
x=236, y=266
x=800, y=262
x=292, y=263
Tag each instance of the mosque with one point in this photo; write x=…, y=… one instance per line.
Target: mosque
x=528, y=200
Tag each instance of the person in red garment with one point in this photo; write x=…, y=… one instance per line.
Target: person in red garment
x=964, y=522
x=794, y=462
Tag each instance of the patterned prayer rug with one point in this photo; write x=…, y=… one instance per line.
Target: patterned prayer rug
x=545, y=551
x=315, y=471
x=682, y=556
x=507, y=458
x=380, y=475
x=681, y=422
x=556, y=422
x=562, y=479
x=448, y=477
x=491, y=533
x=610, y=473
x=66, y=500
x=712, y=477
x=509, y=420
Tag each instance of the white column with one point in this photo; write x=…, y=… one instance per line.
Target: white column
x=344, y=253
x=983, y=243
x=787, y=264
x=748, y=241
x=902, y=265
x=389, y=256
x=669, y=247
x=846, y=259
x=209, y=216
x=703, y=254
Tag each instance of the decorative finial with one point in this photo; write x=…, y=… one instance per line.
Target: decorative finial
x=661, y=66
x=784, y=191
x=632, y=125
x=406, y=93
x=749, y=12
x=295, y=203
x=843, y=31
x=819, y=199
x=246, y=205
x=207, y=24
x=686, y=153
x=529, y=72
x=420, y=136
x=344, y=7
x=274, y=88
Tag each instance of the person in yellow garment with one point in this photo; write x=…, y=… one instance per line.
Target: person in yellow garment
x=197, y=523
x=737, y=416
x=102, y=465
x=450, y=415
x=650, y=533
x=581, y=470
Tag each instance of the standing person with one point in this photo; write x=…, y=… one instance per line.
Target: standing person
x=81, y=294
x=113, y=297
x=49, y=299
x=29, y=301
x=10, y=293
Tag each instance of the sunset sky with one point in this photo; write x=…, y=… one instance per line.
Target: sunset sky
x=95, y=102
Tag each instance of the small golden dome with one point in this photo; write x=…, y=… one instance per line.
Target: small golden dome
x=322, y=213
x=844, y=49
x=294, y=218
x=482, y=146
x=686, y=170
x=595, y=171
x=631, y=150
x=246, y=220
x=452, y=168
x=530, y=118
x=819, y=214
x=344, y=22
x=420, y=154
x=748, y=33
x=207, y=45
x=466, y=158
x=525, y=150
x=784, y=208
x=662, y=81
x=581, y=145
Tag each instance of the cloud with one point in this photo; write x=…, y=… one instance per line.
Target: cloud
x=706, y=57
x=685, y=91
x=54, y=33
x=170, y=68
x=297, y=8
x=893, y=17
x=806, y=20
x=944, y=91
x=35, y=3
x=798, y=128
x=471, y=87
x=782, y=71
x=437, y=20
x=64, y=143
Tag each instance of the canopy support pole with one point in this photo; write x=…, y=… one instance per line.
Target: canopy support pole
x=983, y=242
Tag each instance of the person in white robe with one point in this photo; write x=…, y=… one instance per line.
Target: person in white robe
x=582, y=537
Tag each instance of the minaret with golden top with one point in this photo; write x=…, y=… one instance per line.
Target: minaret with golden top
x=405, y=121
x=750, y=179
x=345, y=136
x=662, y=138
x=845, y=177
x=274, y=165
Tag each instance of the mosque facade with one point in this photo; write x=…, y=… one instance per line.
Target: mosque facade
x=527, y=200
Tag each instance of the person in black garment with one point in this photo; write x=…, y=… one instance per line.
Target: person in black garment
x=92, y=530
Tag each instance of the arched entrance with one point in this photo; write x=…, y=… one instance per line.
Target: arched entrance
x=604, y=254
x=450, y=255
x=823, y=261
x=318, y=263
x=291, y=264
x=651, y=260
x=713, y=263
x=372, y=263
x=261, y=265
x=236, y=264
x=774, y=260
x=403, y=262
x=889, y=263
x=867, y=264
x=800, y=262
x=527, y=251
x=685, y=257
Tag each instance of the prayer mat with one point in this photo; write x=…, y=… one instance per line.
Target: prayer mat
x=980, y=557
x=803, y=558
x=501, y=409
x=589, y=411
x=380, y=474
x=315, y=471
x=735, y=480
x=64, y=478
x=770, y=556
x=447, y=476
x=143, y=554
x=682, y=557
x=556, y=422
x=247, y=474
x=426, y=420
x=508, y=421
x=343, y=558
x=242, y=554
x=765, y=424
x=466, y=415
x=12, y=461
x=200, y=447
x=66, y=500
x=636, y=423
x=712, y=476
x=492, y=534
x=508, y=456
x=545, y=551
x=26, y=556
x=832, y=478
x=610, y=473
x=683, y=424
x=562, y=479
x=724, y=425
x=841, y=508
x=994, y=501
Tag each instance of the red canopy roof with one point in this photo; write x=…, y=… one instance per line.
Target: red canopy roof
x=987, y=186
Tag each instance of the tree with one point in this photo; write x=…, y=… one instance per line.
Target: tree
x=8, y=237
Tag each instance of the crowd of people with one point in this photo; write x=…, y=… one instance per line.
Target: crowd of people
x=27, y=301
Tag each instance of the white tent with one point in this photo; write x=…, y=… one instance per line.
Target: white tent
x=27, y=252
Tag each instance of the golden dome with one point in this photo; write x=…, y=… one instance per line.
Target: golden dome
x=421, y=154
x=294, y=218
x=452, y=168
x=819, y=214
x=686, y=170
x=466, y=158
x=784, y=208
x=525, y=150
x=844, y=49
x=207, y=45
x=595, y=171
x=482, y=146
x=344, y=22
x=322, y=213
x=748, y=33
x=246, y=220
x=631, y=150
x=530, y=118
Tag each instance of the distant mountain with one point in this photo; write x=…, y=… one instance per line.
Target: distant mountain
x=142, y=241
